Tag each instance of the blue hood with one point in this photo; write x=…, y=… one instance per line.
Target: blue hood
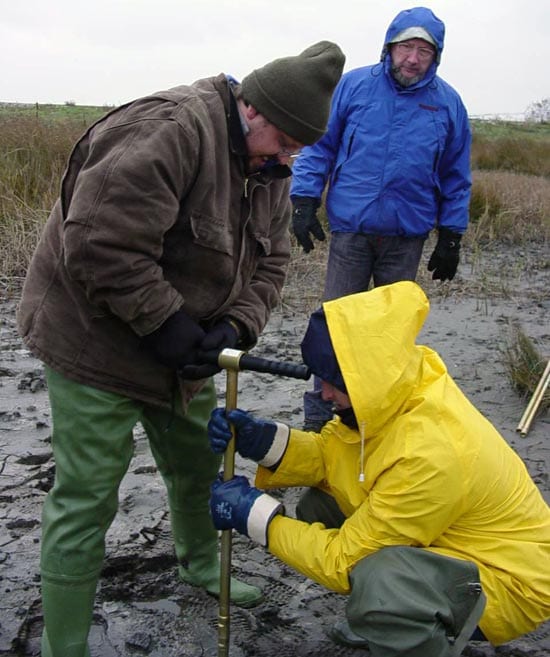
x=318, y=353
x=417, y=17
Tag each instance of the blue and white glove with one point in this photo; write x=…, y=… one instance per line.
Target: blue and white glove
x=262, y=441
x=234, y=504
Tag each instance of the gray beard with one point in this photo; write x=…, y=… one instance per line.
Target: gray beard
x=402, y=80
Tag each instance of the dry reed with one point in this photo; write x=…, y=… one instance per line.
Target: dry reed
x=512, y=207
x=509, y=207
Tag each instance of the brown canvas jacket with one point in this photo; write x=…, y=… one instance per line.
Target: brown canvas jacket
x=155, y=213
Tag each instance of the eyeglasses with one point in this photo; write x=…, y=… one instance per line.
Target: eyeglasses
x=287, y=150
x=285, y=153
x=424, y=54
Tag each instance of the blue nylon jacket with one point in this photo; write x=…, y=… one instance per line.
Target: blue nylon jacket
x=396, y=160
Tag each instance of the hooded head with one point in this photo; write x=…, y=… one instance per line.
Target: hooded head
x=416, y=23
x=294, y=93
x=318, y=352
x=365, y=345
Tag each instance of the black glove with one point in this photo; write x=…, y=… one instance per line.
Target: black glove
x=304, y=221
x=223, y=335
x=175, y=342
x=444, y=259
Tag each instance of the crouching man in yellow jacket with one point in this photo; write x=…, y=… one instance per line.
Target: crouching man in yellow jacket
x=417, y=507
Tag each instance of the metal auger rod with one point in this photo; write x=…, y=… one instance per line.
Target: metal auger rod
x=233, y=360
x=226, y=538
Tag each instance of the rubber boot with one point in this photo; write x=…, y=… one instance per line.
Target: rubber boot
x=185, y=461
x=92, y=446
x=196, y=544
x=342, y=634
x=68, y=609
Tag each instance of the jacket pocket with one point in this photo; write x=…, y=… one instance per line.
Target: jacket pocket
x=344, y=153
x=211, y=232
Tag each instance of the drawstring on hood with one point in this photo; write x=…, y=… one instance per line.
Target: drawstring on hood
x=362, y=457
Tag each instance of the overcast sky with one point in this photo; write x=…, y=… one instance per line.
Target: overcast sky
x=497, y=52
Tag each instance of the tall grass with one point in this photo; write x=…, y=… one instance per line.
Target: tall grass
x=83, y=114
x=35, y=142
x=510, y=196
x=511, y=146
x=518, y=155
x=495, y=130
x=509, y=207
x=33, y=155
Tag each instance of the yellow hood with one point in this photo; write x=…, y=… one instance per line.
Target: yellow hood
x=374, y=334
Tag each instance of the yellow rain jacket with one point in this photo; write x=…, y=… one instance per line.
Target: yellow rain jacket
x=437, y=474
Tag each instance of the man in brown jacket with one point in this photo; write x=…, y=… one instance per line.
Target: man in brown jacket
x=170, y=237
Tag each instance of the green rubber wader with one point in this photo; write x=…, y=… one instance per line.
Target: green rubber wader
x=410, y=601
x=68, y=608
x=92, y=445
x=92, y=442
x=195, y=537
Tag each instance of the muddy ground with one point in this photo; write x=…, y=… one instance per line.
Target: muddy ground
x=141, y=607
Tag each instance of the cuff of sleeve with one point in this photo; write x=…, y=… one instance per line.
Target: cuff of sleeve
x=278, y=447
x=261, y=514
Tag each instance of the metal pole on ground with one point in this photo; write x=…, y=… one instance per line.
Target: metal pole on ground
x=534, y=402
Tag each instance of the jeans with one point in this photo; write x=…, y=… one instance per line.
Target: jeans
x=354, y=259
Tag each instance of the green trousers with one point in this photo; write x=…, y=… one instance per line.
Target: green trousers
x=92, y=443
x=405, y=600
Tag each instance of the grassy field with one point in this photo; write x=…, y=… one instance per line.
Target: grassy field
x=510, y=195
x=82, y=113
x=510, y=130
x=510, y=164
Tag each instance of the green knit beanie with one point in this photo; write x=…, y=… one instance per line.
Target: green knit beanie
x=294, y=93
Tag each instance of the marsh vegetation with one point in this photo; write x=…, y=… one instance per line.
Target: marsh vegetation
x=510, y=201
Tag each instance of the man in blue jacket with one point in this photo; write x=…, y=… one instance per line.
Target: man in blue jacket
x=396, y=159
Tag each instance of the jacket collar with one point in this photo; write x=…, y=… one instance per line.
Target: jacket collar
x=237, y=141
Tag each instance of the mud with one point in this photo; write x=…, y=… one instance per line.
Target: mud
x=141, y=607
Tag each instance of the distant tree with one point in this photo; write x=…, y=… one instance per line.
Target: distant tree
x=539, y=112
